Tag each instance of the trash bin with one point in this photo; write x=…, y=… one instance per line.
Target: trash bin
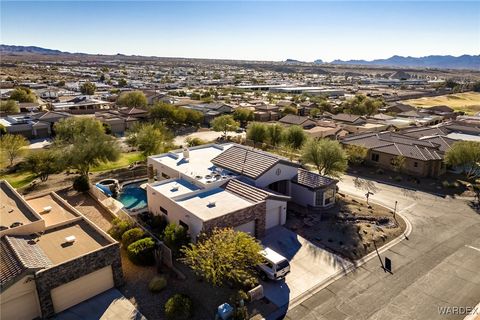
x=225, y=311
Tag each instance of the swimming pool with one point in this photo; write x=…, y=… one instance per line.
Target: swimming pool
x=132, y=196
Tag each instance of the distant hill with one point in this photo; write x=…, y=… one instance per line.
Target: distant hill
x=442, y=62
x=6, y=49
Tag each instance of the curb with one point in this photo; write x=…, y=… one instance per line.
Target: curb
x=356, y=264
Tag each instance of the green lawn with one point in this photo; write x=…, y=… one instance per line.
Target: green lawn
x=125, y=160
x=18, y=179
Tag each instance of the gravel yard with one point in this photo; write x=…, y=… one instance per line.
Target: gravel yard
x=351, y=228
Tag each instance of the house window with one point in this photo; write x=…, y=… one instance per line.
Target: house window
x=375, y=157
x=183, y=224
x=415, y=164
x=329, y=196
x=163, y=210
x=165, y=176
x=319, y=198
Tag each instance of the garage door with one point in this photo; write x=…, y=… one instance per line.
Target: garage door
x=273, y=217
x=81, y=289
x=24, y=307
x=248, y=227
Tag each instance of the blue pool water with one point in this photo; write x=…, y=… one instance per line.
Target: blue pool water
x=132, y=196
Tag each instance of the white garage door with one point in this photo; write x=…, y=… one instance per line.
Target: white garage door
x=81, y=289
x=24, y=307
x=273, y=217
x=248, y=227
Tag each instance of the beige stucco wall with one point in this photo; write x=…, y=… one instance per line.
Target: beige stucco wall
x=20, y=302
x=81, y=289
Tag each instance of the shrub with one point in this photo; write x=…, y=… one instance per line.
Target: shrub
x=178, y=307
x=132, y=235
x=159, y=222
x=157, y=284
x=141, y=252
x=445, y=184
x=119, y=227
x=380, y=171
x=397, y=178
x=175, y=237
x=81, y=184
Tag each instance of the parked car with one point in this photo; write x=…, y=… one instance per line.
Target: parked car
x=276, y=266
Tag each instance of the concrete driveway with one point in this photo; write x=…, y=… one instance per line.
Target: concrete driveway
x=309, y=266
x=437, y=267
x=109, y=305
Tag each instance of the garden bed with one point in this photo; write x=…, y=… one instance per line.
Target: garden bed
x=351, y=228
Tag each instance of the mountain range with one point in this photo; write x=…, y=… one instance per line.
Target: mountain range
x=435, y=61
x=471, y=62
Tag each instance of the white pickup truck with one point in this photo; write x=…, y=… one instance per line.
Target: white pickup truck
x=276, y=266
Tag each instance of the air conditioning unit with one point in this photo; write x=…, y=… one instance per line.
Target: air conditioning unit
x=70, y=239
x=47, y=209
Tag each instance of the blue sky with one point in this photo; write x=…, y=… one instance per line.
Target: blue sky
x=267, y=30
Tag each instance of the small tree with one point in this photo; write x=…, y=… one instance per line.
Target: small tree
x=122, y=83
x=12, y=145
x=224, y=124
x=398, y=163
x=327, y=156
x=356, y=154
x=133, y=99
x=257, y=132
x=295, y=137
x=84, y=144
x=9, y=106
x=150, y=138
x=289, y=110
x=465, y=155
x=44, y=163
x=225, y=255
x=175, y=237
x=275, y=134
x=179, y=307
x=194, y=141
x=243, y=115
x=88, y=88
x=22, y=94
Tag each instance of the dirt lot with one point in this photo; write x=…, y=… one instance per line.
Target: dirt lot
x=468, y=102
x=351, y=228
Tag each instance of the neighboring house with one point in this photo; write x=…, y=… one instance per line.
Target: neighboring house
x=399, y=108
x=32, y=125
x=325, y=131
x=423, y=157
x=294, y=120
x=52, y=257
x=211, y=110
x=266, y=112
x=82, y=105
x=351, y=119
x=228, y=185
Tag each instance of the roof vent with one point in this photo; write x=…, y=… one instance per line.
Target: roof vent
x=186, y=153
x=70, y=239
x=175, y=187
x=47, y=209
x=211, y=204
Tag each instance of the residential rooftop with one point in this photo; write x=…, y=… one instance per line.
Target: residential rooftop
x=53, y=242
x=198, y=166
x=58, y=213
x=13, y=208
x=174, y=188
x=214, y=203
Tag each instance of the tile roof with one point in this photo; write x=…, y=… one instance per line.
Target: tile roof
x=345, y=117
x=18, y=255
x=398, y=144
x=246, y=191
x=248, y=162
x=293, y=119
x=312, y=180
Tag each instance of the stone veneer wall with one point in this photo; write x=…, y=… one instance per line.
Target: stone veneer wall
x=240, y=217
x=57, y=275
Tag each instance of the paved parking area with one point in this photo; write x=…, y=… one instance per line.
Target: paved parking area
x=309, y=266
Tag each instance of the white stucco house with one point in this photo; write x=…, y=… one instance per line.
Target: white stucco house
x=229, y=185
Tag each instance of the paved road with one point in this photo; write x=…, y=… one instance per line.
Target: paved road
x=439, y=266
